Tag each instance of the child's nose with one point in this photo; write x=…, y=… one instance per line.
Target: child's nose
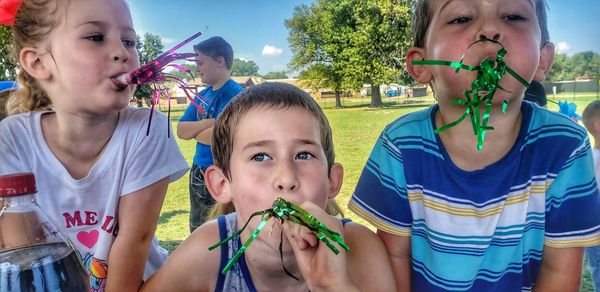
x=492, y=36
x=286, y=179
x=489, y=30
x=120, y=54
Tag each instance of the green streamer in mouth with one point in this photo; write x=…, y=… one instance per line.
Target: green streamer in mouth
x=483, y=88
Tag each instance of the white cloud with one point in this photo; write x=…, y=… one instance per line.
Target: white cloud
x=271, y=51
x=167, y=41
x=279, y=67
x=562, y=47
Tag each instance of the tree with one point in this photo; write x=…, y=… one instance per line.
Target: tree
x=356, y=41
x=560, y=68
x=7, y=64
x=243, y=68
x=184, y=75
x=586, y=64
x=318, y=35
x=320, y=76
x=583, y=64
x=147, y=50
x=379, y=44
x=276, y=75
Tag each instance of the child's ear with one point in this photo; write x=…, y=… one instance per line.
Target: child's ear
x=546, y=60
x=221, y=61
x=596, y=126
x=420, y=73
x=336, y=177
x=30, y=59
x=217, y=184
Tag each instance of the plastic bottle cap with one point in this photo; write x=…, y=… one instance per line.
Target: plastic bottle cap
x=17, y=184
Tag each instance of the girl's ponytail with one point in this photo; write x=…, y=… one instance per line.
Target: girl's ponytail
x=29, y=96
x=34, y=21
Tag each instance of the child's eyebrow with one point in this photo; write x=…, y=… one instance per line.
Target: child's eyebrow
x=449, y=1
x=263, y=143
x=257, y=144
x=531, y=3
x=306, y=142
x=445, y=4
x=94, y=23
x=105, y=24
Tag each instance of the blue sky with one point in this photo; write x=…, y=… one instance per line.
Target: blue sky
x=257, y=32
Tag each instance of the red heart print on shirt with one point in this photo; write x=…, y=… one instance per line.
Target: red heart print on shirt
x=88, y=239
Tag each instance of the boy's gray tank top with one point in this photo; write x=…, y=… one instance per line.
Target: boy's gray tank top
x=238, y=278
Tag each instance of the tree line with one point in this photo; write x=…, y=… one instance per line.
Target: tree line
x=239, y=67
x=579, y=65
x=338, y=45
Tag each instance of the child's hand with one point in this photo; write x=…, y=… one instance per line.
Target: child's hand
x=321, y=268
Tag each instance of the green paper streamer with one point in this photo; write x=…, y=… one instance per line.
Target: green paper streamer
x=489, y=74
x=284, y=210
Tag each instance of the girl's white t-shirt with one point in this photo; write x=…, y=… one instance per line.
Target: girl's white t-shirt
x=86, y=209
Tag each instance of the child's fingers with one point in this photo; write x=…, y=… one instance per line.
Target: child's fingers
x=310, y=237
x=307, y=236
x=303, y=237
x=330, y=222
x=293, y=237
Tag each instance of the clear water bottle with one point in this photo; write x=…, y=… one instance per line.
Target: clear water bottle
x=34, y=255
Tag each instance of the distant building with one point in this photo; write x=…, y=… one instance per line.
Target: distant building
x=247, y=81
x=293, y=81
x=178, y=95
x=318, y=94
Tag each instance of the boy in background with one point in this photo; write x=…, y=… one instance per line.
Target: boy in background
x=536, y=93
x=591, y=120
x=214, y=60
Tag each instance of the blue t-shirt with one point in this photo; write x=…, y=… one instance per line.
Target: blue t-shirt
x=213, y=102
x=482, y=230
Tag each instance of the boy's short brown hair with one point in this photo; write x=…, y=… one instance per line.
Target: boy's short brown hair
x=422, y=19
x=591, y=113
x=269, y=95
x=215, y=47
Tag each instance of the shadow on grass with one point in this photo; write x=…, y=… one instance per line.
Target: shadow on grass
x=166, y=216
x=170, y=245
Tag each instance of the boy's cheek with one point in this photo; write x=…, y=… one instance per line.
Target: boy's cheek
x=446, y=79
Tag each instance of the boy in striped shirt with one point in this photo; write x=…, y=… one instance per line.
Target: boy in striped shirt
x=513, y=216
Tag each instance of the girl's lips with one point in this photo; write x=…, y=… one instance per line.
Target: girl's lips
x=117, y=84
x=121, y=78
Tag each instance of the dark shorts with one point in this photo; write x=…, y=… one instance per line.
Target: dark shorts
x=200, y=199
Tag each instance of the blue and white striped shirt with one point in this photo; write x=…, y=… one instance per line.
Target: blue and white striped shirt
x=482, y=230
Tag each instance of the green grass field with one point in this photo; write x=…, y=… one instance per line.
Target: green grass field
x=355, y=129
